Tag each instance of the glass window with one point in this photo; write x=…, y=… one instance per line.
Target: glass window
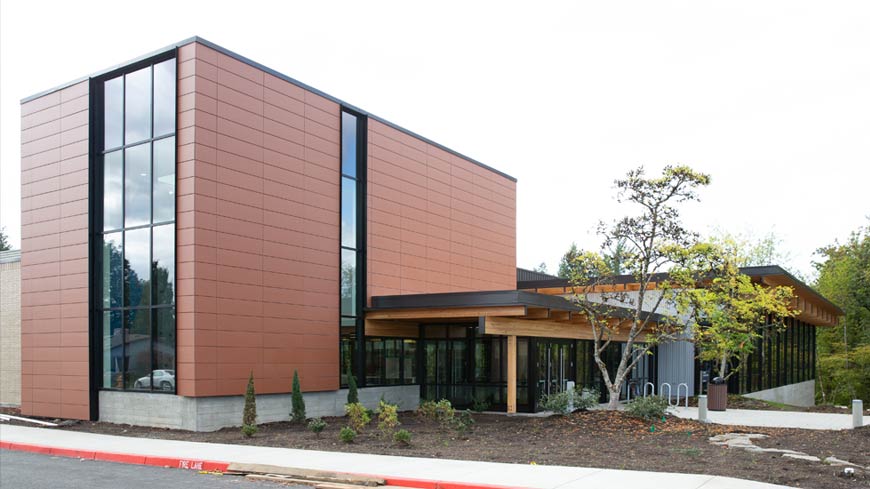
x=374, y=360
x=113, y=269
x=410, y=358
x=348, y=144
x=164, y=349
x=348, y=283
x=113, y=178
x=163, y=264
x=164, y=98
x=393, y=361
x=348, y=212
x=113, y=350
x=163, y=186
x=137, y=348
x=113, y=108
x=137, y=185
x=137, y=268
x=137, y=106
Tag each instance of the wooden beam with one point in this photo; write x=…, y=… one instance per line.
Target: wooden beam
x=537, y=313
x=447, y=312
x=400, y=329
x=560, y=315
x=505, y=326
x=511, y=374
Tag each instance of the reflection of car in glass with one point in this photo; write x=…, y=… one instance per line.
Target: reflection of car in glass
x=163, y=379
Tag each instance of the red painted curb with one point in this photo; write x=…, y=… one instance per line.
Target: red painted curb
x=212, y=466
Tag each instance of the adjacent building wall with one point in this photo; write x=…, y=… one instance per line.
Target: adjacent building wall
x=436, y=222
x=54, y=254
x=258, y=230
x=800, y=394
x=10, y=328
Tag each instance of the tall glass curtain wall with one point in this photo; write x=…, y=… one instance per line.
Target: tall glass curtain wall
x=781, y=357
x=136, y=301
x=351, y=286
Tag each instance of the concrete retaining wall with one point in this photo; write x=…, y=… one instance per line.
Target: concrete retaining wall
x=800, y=394
x=214, y=413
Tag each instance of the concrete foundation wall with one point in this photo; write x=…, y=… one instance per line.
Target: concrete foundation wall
x=800, y=394
x=214, y=413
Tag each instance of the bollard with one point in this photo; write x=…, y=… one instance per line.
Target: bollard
x=857, y=413
x=702, y=408
x=569, y=386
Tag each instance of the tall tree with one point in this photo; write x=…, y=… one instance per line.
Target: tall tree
x=542, y=268
x=4, y=241
x=567, y=265
x=654, y=241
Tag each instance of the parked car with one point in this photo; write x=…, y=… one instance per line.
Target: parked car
x=163, y=379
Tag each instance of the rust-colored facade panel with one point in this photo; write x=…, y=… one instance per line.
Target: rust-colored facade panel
x=258, y=216
x=436, y=222
x=54, y=236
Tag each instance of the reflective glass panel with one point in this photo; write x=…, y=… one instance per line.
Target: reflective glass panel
x=410, y=359
x=137, y=349
x=164, y=180
x=392, y=361
x=348, y=144
x=348, y=283
x=137, y=106
x=113, y=187
x=137, y=267
x=348, y=212
x=164, y=97
x=137, y=185
x=164, y=350
x=113, y=112
x=113, y=269
x=163, y=264
x=374, y=360
x=113, y=350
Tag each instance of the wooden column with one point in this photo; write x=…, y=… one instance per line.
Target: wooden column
x=512, y=374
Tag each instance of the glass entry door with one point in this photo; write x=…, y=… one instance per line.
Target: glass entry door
x=555, y=366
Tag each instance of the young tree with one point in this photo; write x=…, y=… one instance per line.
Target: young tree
x=352, y=394
x=249, y=415
x=567, y=265
x=4, y=241
x=542, y=268
x=298, y=413
x=730, y=312
x=654, y=241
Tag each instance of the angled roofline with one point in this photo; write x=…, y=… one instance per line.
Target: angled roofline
x=254, y=64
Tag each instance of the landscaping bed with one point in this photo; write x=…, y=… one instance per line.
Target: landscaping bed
x=736, y=401
x=589, y=439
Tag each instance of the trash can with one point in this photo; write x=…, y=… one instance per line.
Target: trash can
x=717, y=394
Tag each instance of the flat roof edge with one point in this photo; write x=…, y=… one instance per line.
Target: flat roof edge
x=277, y=74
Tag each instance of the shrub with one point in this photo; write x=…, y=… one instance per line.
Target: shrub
x=441, y=411
x=317, y=425
x=462, y=423
x=352, y=394
x=402, y=437
x=347, y=434
x=561, y=402
x=298, y=413
x=843, y=377
x=651, y=407
x=388, y=419
x=479, y=405
x=249, y=414
x=359, y=416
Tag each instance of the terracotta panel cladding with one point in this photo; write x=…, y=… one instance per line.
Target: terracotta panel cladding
x=437, y=222
x=54, y=255
x=258, y=227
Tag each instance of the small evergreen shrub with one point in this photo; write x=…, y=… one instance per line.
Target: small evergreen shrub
x=359, y=416
x=317, y=425
x=388, y=419
x=402, y=437
x=249, y=414
x=561, y=402
x=298, y=413
x=352, y=394
x=479, y=405
x=441, y=411
x=463, y=422
x=650, y=408
x=347, y=434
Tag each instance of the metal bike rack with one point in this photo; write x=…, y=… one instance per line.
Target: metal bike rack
x=662, y=391
x=652, y=390
x=678, y=394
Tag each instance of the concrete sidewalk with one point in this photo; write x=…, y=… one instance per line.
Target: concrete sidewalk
x=450, y=473
x=773, y=419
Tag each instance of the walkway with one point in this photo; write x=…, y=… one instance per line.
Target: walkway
x=774, y=419
x=461, y=473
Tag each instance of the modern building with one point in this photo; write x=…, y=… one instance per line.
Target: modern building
x=191, y=217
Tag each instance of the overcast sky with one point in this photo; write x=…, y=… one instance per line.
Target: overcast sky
x=771, y=98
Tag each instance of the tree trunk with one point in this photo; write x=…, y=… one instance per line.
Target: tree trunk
x=613, y=402
x=723, y=365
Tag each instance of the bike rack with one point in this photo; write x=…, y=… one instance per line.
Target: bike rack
x=678, y=394
x=653, y=390
x=662, y=391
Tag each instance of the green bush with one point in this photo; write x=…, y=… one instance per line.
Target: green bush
x=249, y=414
x=347, y=434
x=388, y=419
x=560, y=402
x=352, y=394
x=650, y=407
x=441, y=411
x=298, y=413
x=462, y=423
x=840, y=384
x=402, y=437
x=479, y=404
x=317, y=425
x=359, y=416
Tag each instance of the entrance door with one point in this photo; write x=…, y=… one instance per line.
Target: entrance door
x=555, y=366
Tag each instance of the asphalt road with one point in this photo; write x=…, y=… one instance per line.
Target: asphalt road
x=22, y=470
